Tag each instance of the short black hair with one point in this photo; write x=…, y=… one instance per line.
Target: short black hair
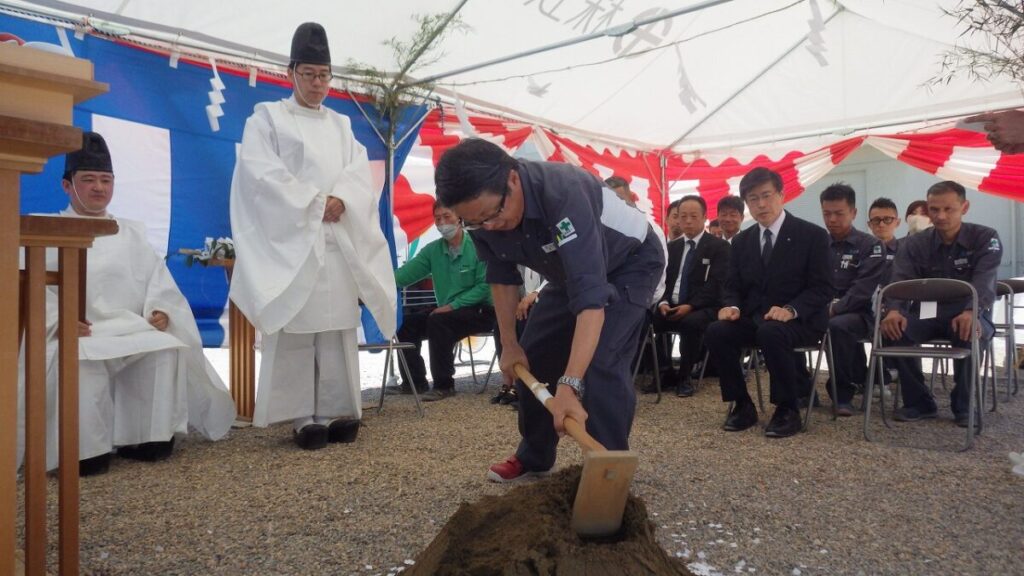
x=675, y=204
x=616, y=182
x=437, y=204
x=948, y=186
x=697, y=199
x=839, y=191
x=470, y=168
x=884, y=203
x=757, y=177
x=913, y=206
x=713, y=223
x=731, y=202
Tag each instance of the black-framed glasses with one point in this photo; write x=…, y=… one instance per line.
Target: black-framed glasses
x=481, y=223
x=881, y=220
x=321, y=76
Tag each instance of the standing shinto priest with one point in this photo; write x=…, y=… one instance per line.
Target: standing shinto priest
x=143, y=377
x=309, y=249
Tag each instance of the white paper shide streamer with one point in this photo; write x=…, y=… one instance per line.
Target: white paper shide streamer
x=213, y=109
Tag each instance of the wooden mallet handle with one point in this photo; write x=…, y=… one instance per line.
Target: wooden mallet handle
x=574, y=428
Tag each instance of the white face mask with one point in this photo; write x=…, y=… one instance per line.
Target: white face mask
x=918, y=222
x=448, y=231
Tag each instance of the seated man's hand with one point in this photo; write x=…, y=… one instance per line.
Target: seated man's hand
x=729, y=314
x=565, y=403
x=893, y=325
x=680, y=312
x=84, y=329
x=333, y=209
x=523, y=308
x=158, y=320
x=442, y=310
x=664, y=309
x=778, y=313
x=510, y=356
x=962, y=325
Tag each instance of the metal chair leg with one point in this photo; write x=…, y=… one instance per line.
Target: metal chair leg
x=657, y=369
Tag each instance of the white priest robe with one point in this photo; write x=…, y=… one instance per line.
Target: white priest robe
x=298, y=279
x=136, y=384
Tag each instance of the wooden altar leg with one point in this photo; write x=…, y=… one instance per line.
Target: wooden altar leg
x=72, y=276
x=9, y=208
x=242, y=339
x=35, y=410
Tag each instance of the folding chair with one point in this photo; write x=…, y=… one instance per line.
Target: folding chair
x=927, y=290
x=490, y=367
x=824, y=349
x=1007, y=290
x=391, y=350
x=649, y=340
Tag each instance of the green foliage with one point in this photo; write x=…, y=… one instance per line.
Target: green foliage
x=999, y=25
x=389, y=90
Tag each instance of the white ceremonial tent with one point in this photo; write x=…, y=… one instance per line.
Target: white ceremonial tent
x=712, y=85
x=720, y=75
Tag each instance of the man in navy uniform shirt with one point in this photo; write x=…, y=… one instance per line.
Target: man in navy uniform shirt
x=951, y=248
x=603, y=262
x=857, y=261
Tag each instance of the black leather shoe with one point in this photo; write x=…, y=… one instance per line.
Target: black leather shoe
x=784, y=423
x=685, y=389
x=343, y=431
x=148, y=451
x=311, y=437
x=741, y=417
x=95, y=465
x=438, y=394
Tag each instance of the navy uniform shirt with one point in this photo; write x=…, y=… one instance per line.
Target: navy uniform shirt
x=857, y=263
x=891, y=248
x=973, y=257
x=579, y=236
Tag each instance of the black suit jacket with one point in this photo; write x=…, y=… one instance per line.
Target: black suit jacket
x=797, y=274
x=708, y=274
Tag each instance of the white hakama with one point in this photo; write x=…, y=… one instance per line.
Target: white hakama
x=298, y=279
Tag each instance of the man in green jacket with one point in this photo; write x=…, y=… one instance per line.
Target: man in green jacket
x=464, y=305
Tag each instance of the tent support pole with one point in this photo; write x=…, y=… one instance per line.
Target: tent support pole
x=662, y=164
x=621, y=30
x=756, y=77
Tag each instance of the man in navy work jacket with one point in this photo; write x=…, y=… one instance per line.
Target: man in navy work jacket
x=776, y=299
x=951, y=248
x=603, y=262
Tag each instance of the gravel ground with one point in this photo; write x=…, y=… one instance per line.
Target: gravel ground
x=824, y=502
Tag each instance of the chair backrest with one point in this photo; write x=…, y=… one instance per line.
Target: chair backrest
x=1015, y=284
x=1004, y=289
x=929, y=290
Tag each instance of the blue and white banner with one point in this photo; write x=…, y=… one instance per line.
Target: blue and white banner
x=173, y=172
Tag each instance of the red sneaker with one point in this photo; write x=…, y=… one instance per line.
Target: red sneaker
x=512, y=470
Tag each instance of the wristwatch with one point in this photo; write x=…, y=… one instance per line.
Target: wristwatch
x=575, y=383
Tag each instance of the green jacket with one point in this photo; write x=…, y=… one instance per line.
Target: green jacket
x=460, y=281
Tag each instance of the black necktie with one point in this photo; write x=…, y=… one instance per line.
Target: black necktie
x=766, y=250
x=687, y=264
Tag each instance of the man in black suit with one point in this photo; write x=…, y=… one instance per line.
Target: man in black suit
x=698, y=263
x=776, y=299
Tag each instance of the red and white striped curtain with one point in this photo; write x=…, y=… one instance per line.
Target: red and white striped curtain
x=960, y=155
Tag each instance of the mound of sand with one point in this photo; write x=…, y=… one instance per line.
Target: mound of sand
x=527, y=531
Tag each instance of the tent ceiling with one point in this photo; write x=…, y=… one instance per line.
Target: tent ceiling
x=735, y=73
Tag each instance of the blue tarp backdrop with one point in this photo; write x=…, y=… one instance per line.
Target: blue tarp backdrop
x=145, y=90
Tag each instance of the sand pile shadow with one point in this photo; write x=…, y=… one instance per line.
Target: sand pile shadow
x=527, y=532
